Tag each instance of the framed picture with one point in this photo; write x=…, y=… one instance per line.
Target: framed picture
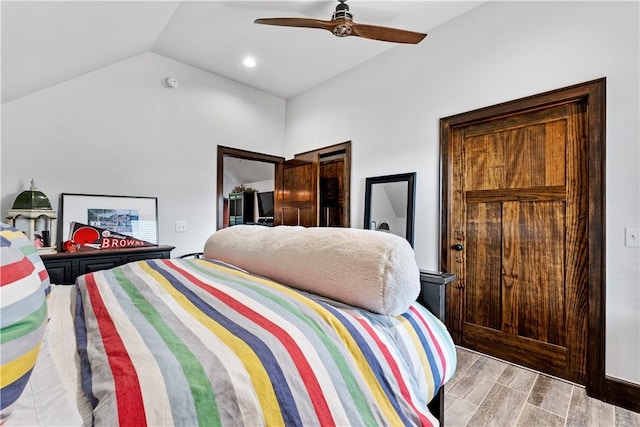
x=129, y=215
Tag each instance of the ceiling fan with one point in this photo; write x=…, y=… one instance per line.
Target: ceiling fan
x=342, y=25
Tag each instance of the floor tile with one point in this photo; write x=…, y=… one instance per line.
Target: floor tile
x=534, y=416
x=551, y=394
x=474, y=384
x=501, y=407
x=518, y=378
x=626, y=418
x=586, y=411
x=457, y=412
x=466, y=358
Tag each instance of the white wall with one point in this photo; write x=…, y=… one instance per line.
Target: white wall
x=120, y=130
x=391, y=106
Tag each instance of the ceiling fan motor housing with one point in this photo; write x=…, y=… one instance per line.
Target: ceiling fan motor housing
x=342, y=12
x=343, y=29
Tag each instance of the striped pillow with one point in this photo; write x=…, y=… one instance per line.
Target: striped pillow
x=24, y=283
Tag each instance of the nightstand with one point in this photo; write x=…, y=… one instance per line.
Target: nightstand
x=65, y=267
x=433, y=291
x=432, y=296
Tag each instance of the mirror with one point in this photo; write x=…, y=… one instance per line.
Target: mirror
x=241, y=167
x=389, y=204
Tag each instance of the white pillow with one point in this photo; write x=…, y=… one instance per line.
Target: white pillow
x=364, y=268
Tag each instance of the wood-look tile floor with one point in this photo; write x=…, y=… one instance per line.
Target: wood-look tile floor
x=489, y=392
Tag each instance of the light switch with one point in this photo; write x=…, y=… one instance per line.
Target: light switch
x=181, y=226
x=632, y=237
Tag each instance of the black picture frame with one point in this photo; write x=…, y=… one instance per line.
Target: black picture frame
x=74, y=207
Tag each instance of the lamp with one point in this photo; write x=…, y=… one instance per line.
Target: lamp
x=34, y=207
x=383, y=226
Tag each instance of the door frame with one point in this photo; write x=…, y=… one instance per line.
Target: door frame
x=593, y=93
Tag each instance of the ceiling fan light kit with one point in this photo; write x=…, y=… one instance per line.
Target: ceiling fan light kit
x=342, y=25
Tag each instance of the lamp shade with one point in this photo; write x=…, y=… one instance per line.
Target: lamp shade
x=32, y=199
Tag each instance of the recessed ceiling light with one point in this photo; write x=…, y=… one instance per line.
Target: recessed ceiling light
x=249, y=62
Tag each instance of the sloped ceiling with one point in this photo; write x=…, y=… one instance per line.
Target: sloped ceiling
x=47, y=42
x=248, y=171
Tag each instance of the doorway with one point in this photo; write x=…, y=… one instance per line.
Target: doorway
x=523, y=229
x=314, y=188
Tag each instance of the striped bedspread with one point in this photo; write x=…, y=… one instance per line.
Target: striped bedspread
x=196, y=342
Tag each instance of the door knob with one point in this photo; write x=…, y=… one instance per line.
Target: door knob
x=457, y=247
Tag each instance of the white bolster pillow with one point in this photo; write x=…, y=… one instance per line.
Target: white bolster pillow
x=364, y=268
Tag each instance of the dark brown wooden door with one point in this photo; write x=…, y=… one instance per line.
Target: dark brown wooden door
x=332, y=202
x=332, y=166
x=517, y=206
x=296, y=197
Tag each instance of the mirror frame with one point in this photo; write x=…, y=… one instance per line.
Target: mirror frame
x=410, y=178
x=240, y=154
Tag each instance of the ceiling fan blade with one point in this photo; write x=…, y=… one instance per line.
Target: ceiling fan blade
x=386, y=34
x=297, y=22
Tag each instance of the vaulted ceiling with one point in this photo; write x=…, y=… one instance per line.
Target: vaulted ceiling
x=48, y=42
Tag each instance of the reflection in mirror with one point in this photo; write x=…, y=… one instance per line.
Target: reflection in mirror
x=389, y=204
x=389, y=207
x=249, y=192
x=237, y=168
x=248, y=173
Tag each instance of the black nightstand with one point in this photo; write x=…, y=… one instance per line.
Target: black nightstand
x=432, y=296
x=433, y=291
x=65, y=267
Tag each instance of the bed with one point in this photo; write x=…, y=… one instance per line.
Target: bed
x=266, y=329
